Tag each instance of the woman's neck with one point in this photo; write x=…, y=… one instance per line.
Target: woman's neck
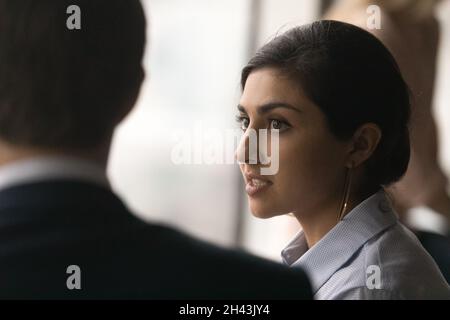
x=317, y=224
x=315, y=227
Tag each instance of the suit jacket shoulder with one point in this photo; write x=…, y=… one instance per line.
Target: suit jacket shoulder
x=50, y=231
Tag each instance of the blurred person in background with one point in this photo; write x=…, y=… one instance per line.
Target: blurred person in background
x=343, y=139
x=64, y=233
x=411, y=31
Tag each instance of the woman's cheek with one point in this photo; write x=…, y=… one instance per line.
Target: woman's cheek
x=302, y=164
x=293, y=164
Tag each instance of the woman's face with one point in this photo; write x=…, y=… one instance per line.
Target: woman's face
x=311, y=169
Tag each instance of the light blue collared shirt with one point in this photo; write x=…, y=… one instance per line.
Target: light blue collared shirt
x=368, y=255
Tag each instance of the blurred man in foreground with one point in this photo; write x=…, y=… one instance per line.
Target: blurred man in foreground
x=64, y=234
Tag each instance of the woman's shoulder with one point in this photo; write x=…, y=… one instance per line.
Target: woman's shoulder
x=403, y=265
x=397, y=245
x=391, y=265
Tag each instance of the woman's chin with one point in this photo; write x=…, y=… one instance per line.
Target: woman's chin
x=262, y=215
x=263, y=212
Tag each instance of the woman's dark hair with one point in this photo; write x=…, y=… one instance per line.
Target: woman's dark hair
x=351, y=76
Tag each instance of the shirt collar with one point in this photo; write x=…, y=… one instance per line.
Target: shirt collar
x=321, y=261
x=50, y=168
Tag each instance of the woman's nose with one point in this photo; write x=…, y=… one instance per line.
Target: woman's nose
x=247, y=151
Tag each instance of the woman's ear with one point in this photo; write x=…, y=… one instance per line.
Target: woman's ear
x=363, y=144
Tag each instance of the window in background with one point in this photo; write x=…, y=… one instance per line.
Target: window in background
x=442, y=97
x=193, y=62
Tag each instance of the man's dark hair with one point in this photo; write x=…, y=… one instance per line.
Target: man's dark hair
x=351, y=76
x=62, y=88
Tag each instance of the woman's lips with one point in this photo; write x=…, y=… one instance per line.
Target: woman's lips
x=256, y=185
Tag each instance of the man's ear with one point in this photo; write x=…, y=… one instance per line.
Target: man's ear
x=132, y=97
x=363, y=144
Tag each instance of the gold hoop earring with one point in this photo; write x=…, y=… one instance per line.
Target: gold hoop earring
x=346, y=193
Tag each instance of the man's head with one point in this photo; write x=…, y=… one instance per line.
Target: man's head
x=68, y=89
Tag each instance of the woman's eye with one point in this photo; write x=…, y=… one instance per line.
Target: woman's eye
x=278, y=125
x=243, y=121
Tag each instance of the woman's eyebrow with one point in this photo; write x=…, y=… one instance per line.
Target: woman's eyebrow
x=270, y=106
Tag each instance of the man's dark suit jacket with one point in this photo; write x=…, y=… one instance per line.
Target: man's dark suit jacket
x=48, y=226
x=438, y=246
